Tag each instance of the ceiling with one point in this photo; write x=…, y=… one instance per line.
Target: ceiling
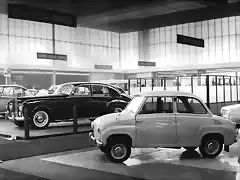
x=136, y=15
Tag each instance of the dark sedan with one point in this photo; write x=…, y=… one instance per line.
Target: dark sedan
x=92, y=100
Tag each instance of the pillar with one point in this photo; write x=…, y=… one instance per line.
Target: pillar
x=143, y=45
x=4, y=10
x=54, y=51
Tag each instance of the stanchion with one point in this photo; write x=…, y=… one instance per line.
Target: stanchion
x=26, y=123
x=75, y=124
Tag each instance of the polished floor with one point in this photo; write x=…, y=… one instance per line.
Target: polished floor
x=151, y=164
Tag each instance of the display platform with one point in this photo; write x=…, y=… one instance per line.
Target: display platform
x=10, y=130
x=157, y=163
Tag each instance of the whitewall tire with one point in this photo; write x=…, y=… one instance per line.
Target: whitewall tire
x=40, y=119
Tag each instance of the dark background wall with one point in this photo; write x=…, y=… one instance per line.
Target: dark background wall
x=2, y=79
x=39, y=81
x=60, y=78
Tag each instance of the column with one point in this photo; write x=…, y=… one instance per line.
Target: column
x=4, y=10
x=143, y=45
x=54, y=51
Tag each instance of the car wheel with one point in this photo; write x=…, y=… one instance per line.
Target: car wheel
x=19, y=123
x=190, y=148
x=118, y=151
x=211, y=147
x=40, y=119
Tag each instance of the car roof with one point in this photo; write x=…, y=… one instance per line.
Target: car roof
x=91, y=82
x=14, y=85
x=75, y=83
x=166, y=93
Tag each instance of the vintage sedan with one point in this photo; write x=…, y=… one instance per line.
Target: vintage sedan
x=166, y=119
x=232, y=112
x=8, y=92
x=92, y=100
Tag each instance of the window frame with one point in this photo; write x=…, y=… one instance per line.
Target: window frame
x=146, y=98
x=82, y=85
x=193, y=98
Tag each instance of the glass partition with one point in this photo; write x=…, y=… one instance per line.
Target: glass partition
x=226, y=86
x=158, y=84
x=199, y=87
x=171, y=84
x=185, y=84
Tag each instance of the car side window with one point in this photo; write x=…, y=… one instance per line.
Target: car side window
x=112, y=92
x=1, y=91
x=8, y=91
x=18, y=92
x=100, y=90
x=190, y=105
x=83, y=90
x=157, y=105
x=27, y=93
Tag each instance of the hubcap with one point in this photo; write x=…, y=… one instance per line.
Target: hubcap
x=40, y=119
x=118, y=151
x=212, y=147
x=117, y=110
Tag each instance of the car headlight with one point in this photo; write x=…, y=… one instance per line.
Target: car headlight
x=20, y=107
x=10, y=107
x=92, y=125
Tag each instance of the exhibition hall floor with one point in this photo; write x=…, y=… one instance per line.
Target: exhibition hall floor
x=151, y=164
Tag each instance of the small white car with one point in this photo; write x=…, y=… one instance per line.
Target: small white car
x=167, y=119
x=232, y=112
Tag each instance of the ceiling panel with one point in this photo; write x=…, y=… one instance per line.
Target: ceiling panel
x=134, y=15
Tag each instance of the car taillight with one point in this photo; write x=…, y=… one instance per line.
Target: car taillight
x=10, y=107
x=20, y=107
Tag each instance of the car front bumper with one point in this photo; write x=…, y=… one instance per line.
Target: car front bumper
x=16, y=118
x=96, y=141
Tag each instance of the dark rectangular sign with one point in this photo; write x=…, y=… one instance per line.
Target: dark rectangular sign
x=191, y=41
x=103, y=67
x=146, y=63
x=30, y=13
x=52, y=56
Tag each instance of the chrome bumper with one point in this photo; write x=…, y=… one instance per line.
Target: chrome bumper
x=97, y=142
x=16, y=118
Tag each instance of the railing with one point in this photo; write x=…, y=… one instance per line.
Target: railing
x=215, y=91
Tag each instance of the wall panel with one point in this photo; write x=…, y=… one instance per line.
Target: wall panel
x=3, y=24
x=26, y=38
x=221, y=43
x=3, y=48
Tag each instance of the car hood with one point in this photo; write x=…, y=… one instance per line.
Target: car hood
x=27, y=98
x=122, y=118
x=232, y=107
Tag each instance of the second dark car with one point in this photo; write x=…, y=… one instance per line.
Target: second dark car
x=92, y=100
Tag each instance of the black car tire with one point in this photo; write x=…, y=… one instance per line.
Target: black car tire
x=121, y=145
x=19, y=123
x=204, y=147
x=103, y=149
x=40, y=119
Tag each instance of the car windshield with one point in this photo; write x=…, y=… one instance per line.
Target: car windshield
x=65, y=89
x=134, y=104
